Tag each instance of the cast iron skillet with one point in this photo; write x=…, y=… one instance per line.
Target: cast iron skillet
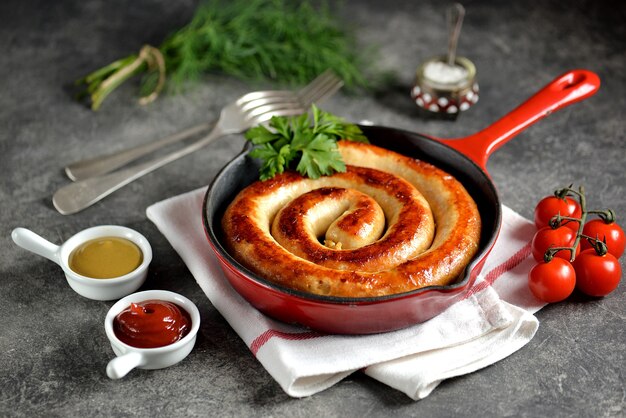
x=465, y=158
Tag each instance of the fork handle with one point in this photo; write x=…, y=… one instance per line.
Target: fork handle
x=81, y=194
x=105, y=164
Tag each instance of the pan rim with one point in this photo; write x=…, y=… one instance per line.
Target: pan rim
x=459, y=285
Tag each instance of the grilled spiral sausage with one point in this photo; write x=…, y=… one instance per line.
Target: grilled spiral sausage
x=389, y=224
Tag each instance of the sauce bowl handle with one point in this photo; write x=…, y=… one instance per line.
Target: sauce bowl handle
x=120, y=366
x=34, y=243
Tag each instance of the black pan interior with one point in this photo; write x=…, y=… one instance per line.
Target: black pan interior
x=243, y=170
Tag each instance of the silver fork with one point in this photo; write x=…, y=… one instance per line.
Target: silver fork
x=234, y=118
x=104, y=164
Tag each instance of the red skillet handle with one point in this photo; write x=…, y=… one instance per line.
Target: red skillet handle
x=569, y=88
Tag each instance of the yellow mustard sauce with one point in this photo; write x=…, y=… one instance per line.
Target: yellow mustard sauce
x=105, y=258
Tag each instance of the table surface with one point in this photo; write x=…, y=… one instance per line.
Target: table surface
x=53, y=350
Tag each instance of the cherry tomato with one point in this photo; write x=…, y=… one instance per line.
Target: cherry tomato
x=597, y=275
x=614, y=234
x=553, y=281
x=551, y=205
x=547, y=237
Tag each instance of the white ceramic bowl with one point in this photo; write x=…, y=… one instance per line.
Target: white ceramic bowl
x=130, y=357
x=97, y=289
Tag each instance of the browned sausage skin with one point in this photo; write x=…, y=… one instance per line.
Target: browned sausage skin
x=324, y=236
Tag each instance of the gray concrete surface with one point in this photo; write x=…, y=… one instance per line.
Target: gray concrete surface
x=53, y=349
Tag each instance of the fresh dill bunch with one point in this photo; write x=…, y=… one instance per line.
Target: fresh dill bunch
x=285, y=41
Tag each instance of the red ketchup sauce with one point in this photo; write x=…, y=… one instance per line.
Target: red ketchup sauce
x=151, y=324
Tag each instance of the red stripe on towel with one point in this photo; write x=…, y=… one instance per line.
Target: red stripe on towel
x=498, y=271
x=509, y=264
x=292, y=336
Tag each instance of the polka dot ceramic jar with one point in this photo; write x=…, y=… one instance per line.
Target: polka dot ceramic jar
x=445, y=89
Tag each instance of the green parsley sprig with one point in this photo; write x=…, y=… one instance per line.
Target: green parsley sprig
x=309, y=145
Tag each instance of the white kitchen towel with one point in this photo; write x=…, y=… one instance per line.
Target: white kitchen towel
x=471, y=334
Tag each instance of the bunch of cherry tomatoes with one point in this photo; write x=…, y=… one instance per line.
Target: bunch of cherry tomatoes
x=572, y=252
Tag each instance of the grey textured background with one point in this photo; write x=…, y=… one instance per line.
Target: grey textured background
x=53, y=350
